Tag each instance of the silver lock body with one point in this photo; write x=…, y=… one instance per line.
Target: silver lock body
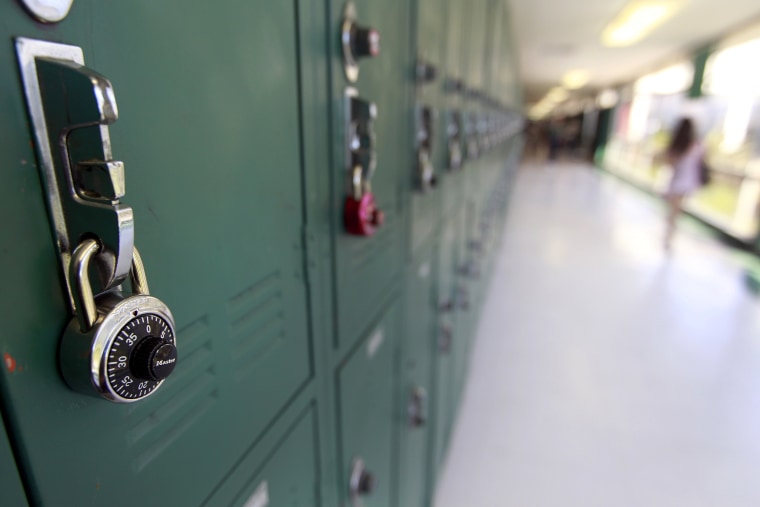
x=84, y=356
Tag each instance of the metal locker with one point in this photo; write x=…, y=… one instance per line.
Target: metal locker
x=453, y=301
x=429, y=164
x=367, y=267
x=364, y=386
x=417, y=393
x=468, y=273
x=209, y=132
x=453, y=184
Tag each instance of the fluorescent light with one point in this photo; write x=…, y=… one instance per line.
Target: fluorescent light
x=548, y=103
x=729, y=73
x=607, y=98
x=674, y=79
x=575, y=79
x=636, y=21
x=556, y=94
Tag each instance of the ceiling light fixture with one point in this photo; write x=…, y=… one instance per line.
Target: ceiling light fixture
x=556, y=95
x=548, y=103
x=575, y=79
x=637, y=20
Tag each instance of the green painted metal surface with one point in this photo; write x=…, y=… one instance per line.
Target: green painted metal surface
x=11, y=490
x=430, y=46
x=453, y=183
x=451, y=303
x=366, y=269
x=366, y=401
x=420, y=348
x=283, y=470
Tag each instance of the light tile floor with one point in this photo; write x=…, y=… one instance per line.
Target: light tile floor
x=606, y=373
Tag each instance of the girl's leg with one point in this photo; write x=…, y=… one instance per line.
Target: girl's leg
x=674, y=209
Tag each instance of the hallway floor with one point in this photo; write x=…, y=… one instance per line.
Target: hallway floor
x=607, y=373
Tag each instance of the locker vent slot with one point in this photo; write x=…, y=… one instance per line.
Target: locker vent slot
x=185, y=397
x=366, y=250
x=257, y=323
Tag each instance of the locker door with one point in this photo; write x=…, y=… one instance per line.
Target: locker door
x=416, y=383
x=451, y=301
x=466, y=319
x=508, y=69
x=208, y=131
x=475, y=51
x=368, y=267
x=430, y=121
x=453, y=184
x=365, y=398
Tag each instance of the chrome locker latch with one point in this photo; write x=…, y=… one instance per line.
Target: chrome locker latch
x=357, y=42
x=425, y=177
x=360, y=215
x=425, y=72
x=471, y=136
x=361, y=483
x=445, y=338
x=417, y=409
x=454, y=139
x=70, y=107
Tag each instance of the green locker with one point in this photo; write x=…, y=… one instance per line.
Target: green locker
x=452, y=184
x=430, y=120
x=452, y=300
x=211, y=152
x=496, y=34
x=417, y=390
x=368, y=267
x=468, y=275
x=507, y=71
x=366, y=411
x=476, y=54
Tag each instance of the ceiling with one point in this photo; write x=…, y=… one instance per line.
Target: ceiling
x=556, y=36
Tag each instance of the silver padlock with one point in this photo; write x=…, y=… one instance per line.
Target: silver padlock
x=119, y=346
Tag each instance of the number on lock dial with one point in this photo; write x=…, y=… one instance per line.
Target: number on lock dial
x=141, y=356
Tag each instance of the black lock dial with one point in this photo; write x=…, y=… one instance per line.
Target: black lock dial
x=141, y=356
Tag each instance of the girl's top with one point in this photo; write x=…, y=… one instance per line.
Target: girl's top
x=686, y=168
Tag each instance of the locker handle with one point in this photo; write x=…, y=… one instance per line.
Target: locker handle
x=418, y=407
x=361, y=483
x=70, y=107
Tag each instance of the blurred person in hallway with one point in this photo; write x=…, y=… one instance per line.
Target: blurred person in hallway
x=534, y=141
x=684, y=154
x=555, y=133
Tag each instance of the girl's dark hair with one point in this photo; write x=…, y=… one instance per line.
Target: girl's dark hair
x=682, y=138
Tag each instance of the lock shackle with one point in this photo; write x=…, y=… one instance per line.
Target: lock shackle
x=137, y=274
x=81, y=289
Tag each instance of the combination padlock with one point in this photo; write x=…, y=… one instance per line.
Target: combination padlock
x=119, y=346
x=361, y=215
